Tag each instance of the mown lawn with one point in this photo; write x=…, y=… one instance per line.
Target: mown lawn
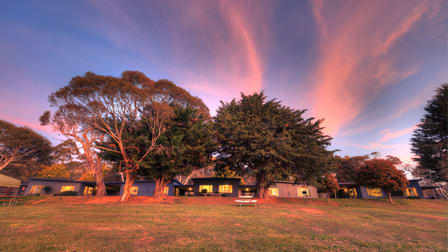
x=409, y=225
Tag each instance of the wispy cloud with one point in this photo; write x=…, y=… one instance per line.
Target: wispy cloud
x=389, y=134
x=357, y=54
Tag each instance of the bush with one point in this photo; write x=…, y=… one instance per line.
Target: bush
x=67, y=193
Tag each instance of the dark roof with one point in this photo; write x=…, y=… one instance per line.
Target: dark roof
x=175, y=182
x=216, y=178
x=61, y=180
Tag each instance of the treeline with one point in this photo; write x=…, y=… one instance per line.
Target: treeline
x=134, y=127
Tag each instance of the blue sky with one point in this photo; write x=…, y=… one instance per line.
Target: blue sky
x=367, y=67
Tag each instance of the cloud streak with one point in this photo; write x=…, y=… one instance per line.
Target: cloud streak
x=358, y=57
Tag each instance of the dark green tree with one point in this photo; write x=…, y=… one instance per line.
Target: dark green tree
x=430, y=139
x=268, y=141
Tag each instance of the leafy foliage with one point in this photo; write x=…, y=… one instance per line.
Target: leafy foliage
x=347, y=168
x=57, y=170
x=21, y=144
x=430, y=139
x=382, y=173
x=268, y=141
x=330, y=183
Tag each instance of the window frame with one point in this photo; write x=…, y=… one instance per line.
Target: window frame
x=64, y=188
x=224, y=188
x=374, y=192
x=202, y=187
x=271, y=190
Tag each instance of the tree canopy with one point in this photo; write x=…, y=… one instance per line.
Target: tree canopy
x=382, y=173
x=18, y=144
x=269, y=142
x=430, y=139
x=124, y=106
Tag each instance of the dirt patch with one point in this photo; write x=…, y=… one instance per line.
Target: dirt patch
x=312, y=211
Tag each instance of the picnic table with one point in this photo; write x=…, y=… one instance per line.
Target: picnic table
x=246, y=200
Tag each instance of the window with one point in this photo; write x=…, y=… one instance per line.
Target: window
x=134, y=190
x=205, y=188
x=225, y=189
x=303, y=192
x=353, y=193
x=36, y=189
x=166, y=190
x=411, y=192
x=67, y=188
x=272, y=191
x=375, y=192
x=88, y=190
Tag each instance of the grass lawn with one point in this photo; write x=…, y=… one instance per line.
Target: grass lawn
x=409, y=225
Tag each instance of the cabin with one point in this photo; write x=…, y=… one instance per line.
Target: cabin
x=354, y=191
x=214, y=186
x=147, y=187
x=47, y=186
x=282, y=189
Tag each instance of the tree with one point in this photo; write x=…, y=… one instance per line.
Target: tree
x=70, y=121
x=330, y=184
x=268, y=141
x=121, y=106
x=347, y=168
x=21, y=144
x=56, y=170
x=382, y=173
x=185, y=146
x=430, y=139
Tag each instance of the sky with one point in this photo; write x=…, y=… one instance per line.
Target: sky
x=366, y=67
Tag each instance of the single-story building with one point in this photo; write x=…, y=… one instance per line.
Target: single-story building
x=47, y=186
x=216, y=186
x=146, y=187
x=355, y=191
x=291, y=190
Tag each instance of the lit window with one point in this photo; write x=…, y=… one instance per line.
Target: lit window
x=272, y=191
x=36, y=189
x=225, y=189
x=134, y=190
x=303, y=192
x=375, y=192
x=411, y=192
x=67, y=188
x=205, y=188
x=88, y=190
x=352, y=192
x=165, y=190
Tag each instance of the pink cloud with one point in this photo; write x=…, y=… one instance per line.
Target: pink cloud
x=357, y=57
x=389, y=135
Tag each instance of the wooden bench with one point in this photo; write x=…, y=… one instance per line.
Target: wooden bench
x=246, y=200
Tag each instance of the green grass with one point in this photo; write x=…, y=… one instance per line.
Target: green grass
x=409, y=225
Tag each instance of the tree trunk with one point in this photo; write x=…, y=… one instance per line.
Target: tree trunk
x=261, y=192
x=100, y=186
x=335, y=194
x=159, y=187
x=127, y=187
x=389, y=196
x=262, y=188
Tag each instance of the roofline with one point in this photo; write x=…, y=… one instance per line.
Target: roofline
x=218, y=178
x=62, y=180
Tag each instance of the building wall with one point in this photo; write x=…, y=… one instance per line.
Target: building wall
x=362, y=193
x=414, y=184
x=54, y=185
x=147, y=188
x=287, y=190
x=215, y=182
